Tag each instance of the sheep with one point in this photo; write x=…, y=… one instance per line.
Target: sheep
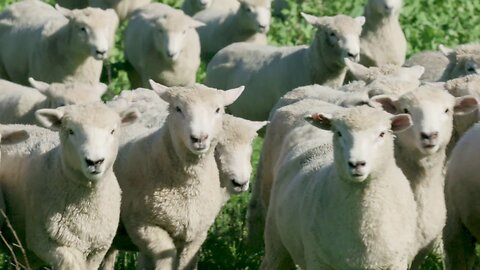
x=62, y=197
x=461, y=189
x=372, y=199
x=161, y=44
x=54, y=45
x=382, y=40
x=248, y=23
x=435, y=63
x=420, y=152
x=123, y=8
x=19, y=103
x=173, y=196
x=267, y=71
x=370, y=74
x=192, y=7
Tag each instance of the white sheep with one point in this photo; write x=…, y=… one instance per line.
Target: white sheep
x=267, y=71
x=62, y=197
x=420, y=152
x=123, y=8
x=461, y=231
x=161, y=44
x=172, y=198
x=382, y=40
x=54, y=45
x=192, y=7
x=351, y=210
x=369, y=74
x=248, y=23
x=19, y=103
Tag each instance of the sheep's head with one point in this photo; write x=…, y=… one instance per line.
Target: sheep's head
x=200, y=4
x=195, y=113
x=170, y=33
x=432, y=111
x=60, y=94
x=362, y=140
x=465, y=59
x=233, y=152
x=92, y=29
x=257, y=14
x=340, y=34
x=385, y=7
x=89, y=136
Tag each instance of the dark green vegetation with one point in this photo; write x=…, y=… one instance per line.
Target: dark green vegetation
x=426, y=23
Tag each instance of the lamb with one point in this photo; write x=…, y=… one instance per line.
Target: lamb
x=123, y=8
x=461, y=193
x=62, y=197
x=360, y=232
x=267, y=71
x=420, y=152
x=192, y=7
x=161, y=44
x=19, y=103
x=54, y=45
x=248, y=23
x=170, y=202
x=382, y=40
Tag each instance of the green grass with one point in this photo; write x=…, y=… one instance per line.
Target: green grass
x=426, y=23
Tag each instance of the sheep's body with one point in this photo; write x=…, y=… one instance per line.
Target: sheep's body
x=434, y=62
x=192, y=7
x=123, y=8
x=248, y=23
x=461, y=193
x=162, y=44
x=64, y=212
x=382, y=40
x=33, y=35
x=19, y=103
x=364, y=227
x=267, y=71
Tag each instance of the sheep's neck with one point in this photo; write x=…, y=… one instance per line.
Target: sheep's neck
x=375, y=21
x=243, y=32
x=325, y=71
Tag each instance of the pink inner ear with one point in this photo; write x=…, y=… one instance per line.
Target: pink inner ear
x=466, y=103
x=400, y=122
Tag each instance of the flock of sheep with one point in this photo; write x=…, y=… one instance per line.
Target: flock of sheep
x=368, y=160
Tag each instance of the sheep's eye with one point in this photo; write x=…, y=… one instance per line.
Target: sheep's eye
x=177, y=109
x=382, y=134
x=339, y=134
x=217, y=110
x=83, y=29
x=112, y=132
x=447, y=110
x=332, y=34
x=70, y=131
x=406, y=110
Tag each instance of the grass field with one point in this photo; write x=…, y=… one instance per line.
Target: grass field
x=426, y=23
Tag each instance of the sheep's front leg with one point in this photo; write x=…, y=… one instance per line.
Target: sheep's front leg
x=188, y=258
x=62, y=258
x=95, y=259
x=109, y=260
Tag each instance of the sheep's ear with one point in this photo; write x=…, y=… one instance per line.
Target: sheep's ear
x=360, y=20
x=445, y=50
x=64, y=11
x=359, y=71
x=129, y=116
x=12, y=136
x=195, y=24
x=320, y=120
x=50, y=118
x=388, y=104
x=100, y=89
x=315, y=21
x=161, y=90
x=465, y=105
x=229, y=96
x=40, y=86
x=257, y=125
x=400, y=122
x=414, y=72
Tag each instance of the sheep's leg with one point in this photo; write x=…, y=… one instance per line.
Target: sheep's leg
x=94, y=260
x=276, y=255
x=61, y=258
x=459, y=244
x=109, y=260
x=256, y=216
x=188, y=258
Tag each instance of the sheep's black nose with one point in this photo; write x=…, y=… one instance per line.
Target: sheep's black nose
x=94, y=162
x=357, y=164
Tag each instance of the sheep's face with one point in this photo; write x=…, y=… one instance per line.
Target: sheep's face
x=88, y=137
x=362, y=139
x=195, y=114
x=338, y=35
x=201, y=4
x=234, y=151
x=171, y=32
x=257, y=15
x=432, y=111
x=92, y=30
x=386, y=7
x=468, y=65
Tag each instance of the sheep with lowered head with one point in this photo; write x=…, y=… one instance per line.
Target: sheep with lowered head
x=346, y=212
x=173, y=197
x=192, y=7
x=161, y=44
x=267, y=72
x=62, y=196
x=123, y=8
x=382, y=40
x=19, y=103
x=54, y=45
x=248, y=23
